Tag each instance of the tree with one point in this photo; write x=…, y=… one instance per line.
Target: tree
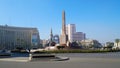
x=91, y=45
x=74, y=45
x=60, y=47
x=109, y=44
x=52, y=44
x=117, y=41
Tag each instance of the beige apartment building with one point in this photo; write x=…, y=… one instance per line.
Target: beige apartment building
x=13, y=37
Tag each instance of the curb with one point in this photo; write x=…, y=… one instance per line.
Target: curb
x=14, y=60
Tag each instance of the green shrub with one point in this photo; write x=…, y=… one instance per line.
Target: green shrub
x=80, y=51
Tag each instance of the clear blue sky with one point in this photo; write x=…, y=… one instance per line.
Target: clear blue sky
x=99, y=19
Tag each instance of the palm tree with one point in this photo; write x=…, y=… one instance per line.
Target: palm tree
x=117, y=41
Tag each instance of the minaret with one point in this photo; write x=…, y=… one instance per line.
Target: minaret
x=51, y=38
x=63, y=36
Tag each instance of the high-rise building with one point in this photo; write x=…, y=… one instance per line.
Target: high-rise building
x=63, y=36
x=72, y=34
x=70, y=31
x=13, y=37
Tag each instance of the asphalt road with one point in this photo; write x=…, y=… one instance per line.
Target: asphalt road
x=77, y=60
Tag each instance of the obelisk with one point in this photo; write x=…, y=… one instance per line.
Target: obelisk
x=63, y=23
x=63, y=36
x=51, y=35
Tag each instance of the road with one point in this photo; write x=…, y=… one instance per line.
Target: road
x=77, y=60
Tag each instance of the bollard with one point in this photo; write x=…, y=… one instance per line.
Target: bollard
x=30, y=57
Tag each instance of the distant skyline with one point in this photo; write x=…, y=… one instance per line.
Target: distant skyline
x=99, y=19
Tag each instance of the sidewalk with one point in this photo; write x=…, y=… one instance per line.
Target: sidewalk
x=16, y=59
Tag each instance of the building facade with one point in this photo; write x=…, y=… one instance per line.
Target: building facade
x=45, y=42
x=13, y=37
x=90, y=43
x=117, y=45
x=73, y=35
